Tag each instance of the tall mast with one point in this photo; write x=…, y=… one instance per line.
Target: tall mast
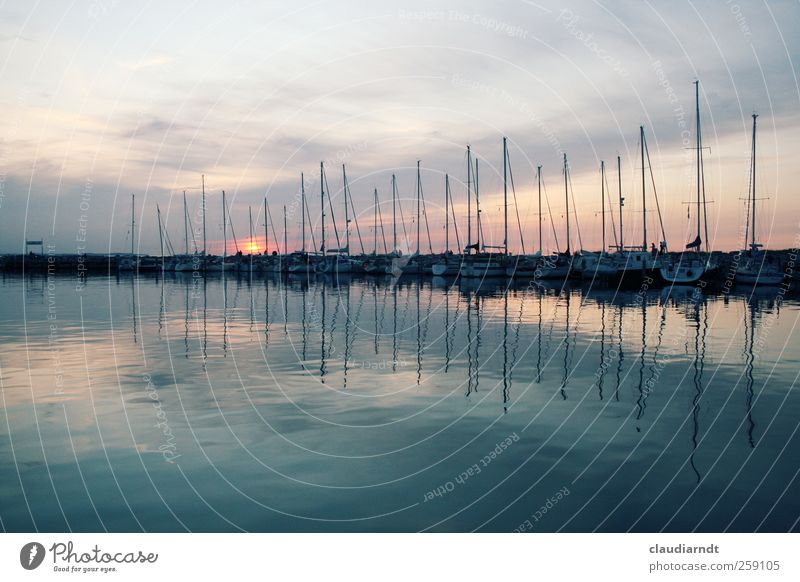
x=469, y=201
x=539, y=181
x=644, y=197
x=478, y=203
x=375, y=223
x=346, y=212
x=418, y=197
x=446, y=213
x=285, y=233
x=133, y=221
x=224, y=230
x=322, y=205
x=203, y=177
x=160, y=234
x=394, y=214
x=250, y=215
x=753, y=172
x=603, y=202
x=699, y=151
x=266, y=228
x=566, y=197
x=505, y=198
x=185, y=224
x=303, y=209
x=621, y=201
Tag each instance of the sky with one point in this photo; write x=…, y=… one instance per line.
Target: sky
x=103, y=99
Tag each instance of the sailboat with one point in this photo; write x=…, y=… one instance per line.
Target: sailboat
x=131, y=262
x=336, y=259
x=527, y=266
x=377, y=263
x=758, y=267
x=398, y=260
x=598, y=265
x=559, y=265
x=419, y=264
x=637, y=262
x=298, y=262
x=492, y=263
x=689, y=269
x=447, y=264
x=187, y=262
x=217, y=264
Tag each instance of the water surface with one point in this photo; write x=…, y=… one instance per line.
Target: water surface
x=274, y=404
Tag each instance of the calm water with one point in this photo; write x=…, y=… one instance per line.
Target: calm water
x=180, y=404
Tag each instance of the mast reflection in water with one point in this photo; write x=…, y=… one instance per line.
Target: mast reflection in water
x=331, y=404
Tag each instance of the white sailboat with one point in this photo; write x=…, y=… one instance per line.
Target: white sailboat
x=637, y=262
x=690, y=268
x=485, y=264
x=599, y=265
x=757, y=267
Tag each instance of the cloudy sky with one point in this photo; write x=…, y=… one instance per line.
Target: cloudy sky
x=104, y=98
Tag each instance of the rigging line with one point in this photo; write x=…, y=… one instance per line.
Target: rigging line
x=349, y=195
x=333, y=214
x=574, y=210
x=703, y=187
x=516, y=206
x=549, y=211
x=655, y=193
x=230, y=221
x=274, y=234
x=166, y=234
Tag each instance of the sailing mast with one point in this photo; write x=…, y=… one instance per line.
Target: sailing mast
x=285, y=233
x=322, y=206
x=753, y=245
x=566, y=197
x=266, y=228
x=394, y=214
x=478, y=203
x=160, y=234
x=203, y=177
x=418, y=215
x=133, y=221
x=699, y=151
x=469, y=201
x=375, y=223
x=505, y=198
x=621, y=201
x=346, y=213
x=603, y=202
x=446, y=213
x=302, y=210
x=224, y=231
x=250, y=215
x=644, y=197
x=539, y=181
x=185, y=224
